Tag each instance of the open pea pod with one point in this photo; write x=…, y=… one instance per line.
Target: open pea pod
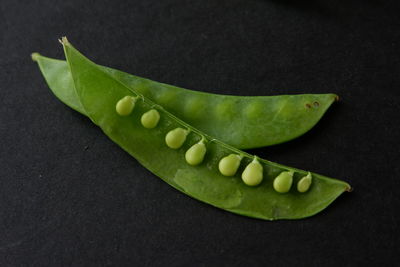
x=241, y=121
x=105, y=99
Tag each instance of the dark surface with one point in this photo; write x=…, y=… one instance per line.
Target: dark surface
x=69, y=196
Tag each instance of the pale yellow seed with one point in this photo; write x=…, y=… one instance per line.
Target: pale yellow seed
x=195, y=154
x=125, y=105
x=304, y=184
x=253, y=173
x=150, y=119
x=283, y=182
x=229, y=165
x=175, y=138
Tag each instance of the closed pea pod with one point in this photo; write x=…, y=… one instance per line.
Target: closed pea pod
x=283, y=182
x=125, y=105
x=228, y=165
x=253, y=174
x=298, y=119
x=304, y=184
x=195, y=154
x=175, y=138
x=150, y=119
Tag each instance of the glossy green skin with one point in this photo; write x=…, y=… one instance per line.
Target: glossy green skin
x=98, y=93
x=241, y=121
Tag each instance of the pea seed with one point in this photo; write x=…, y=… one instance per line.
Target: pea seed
x=225, y=109
x=175, y=138
x=194, y=108
x=195, y=154
x=304, y=184
x=150, y=119
x=143, y=89
x=228, y=165
x=283, y=182
x=254, y=110
x=125, y=105
x=166, y=97
x=253, y=174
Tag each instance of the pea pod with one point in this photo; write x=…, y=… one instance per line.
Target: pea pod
x=241, y=121
x=98, y=92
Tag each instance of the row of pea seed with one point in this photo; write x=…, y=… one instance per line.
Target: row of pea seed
x=228, y=166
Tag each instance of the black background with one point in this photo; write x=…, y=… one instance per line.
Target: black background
x=70, y=197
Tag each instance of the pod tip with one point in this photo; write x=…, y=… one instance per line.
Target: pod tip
x=349, y=188
x=35, y=56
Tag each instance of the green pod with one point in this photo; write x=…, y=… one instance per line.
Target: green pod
x=283, y=182
x=176, y=137
x=229, y=165
x=304, y=183
x=241, y=121
x=150, y=119
x=98, y=91
x=253, y=174
x=195, y=154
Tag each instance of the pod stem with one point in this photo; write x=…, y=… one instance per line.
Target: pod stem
x=140, y=96
x=64, y=41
